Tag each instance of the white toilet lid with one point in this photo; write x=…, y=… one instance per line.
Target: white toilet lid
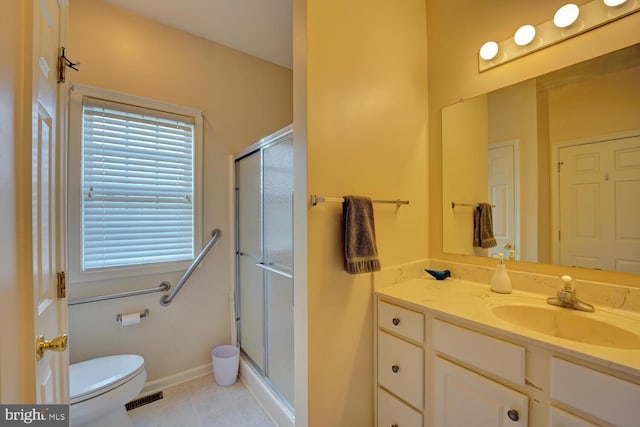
x=96, y=376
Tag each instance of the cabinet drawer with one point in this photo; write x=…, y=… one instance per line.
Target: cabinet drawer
x=492, y=355
x=393, y=412
x=603, y=396
x=400, y=321
x=400, y=368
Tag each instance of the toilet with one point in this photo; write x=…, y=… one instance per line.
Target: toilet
x=99, y=389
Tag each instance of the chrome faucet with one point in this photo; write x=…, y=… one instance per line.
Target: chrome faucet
x=567, y=297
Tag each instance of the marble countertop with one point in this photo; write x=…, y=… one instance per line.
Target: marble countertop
x=470, y=303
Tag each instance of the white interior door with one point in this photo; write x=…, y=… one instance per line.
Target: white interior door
x=599, y=189
x=503, y=194
x=49, y=308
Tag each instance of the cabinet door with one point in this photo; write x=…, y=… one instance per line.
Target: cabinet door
x=560, y=418
x=463, y=398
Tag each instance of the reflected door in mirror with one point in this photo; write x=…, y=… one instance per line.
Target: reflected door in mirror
x=599, y=205
x=503, y=195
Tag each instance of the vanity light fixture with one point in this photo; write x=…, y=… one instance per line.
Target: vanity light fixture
x=614, y=3
x=489, y=50
x=566, y=15
x=524, y=35
x=563, y=25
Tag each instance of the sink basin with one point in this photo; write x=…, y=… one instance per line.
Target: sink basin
x=568, y=324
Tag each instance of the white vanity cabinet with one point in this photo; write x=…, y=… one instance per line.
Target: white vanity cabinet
x=603, y=396
x=462, y=397
x=400, y=366
x=438, y=365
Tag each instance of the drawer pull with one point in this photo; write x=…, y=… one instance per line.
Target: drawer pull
x=394, y=425
x=396, y=322
x=395, y=369
x=513, y=415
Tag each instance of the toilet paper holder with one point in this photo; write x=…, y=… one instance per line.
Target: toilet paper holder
x=144, y=314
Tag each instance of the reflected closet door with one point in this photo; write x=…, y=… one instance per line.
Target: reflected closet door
x=278, y=259
x=251, y=292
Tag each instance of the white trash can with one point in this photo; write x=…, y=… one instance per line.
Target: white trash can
x=226, y=360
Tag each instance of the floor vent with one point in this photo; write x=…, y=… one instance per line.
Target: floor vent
x=145, y=400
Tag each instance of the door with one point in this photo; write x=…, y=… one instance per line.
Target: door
x=503, y=195
x=278, y=261
x=251, y=289
x=560, y=418
x=463, y=398
x=598, y=207
x=49, y=307
x=264, y=275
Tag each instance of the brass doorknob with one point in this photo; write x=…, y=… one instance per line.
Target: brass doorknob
x=56, y=344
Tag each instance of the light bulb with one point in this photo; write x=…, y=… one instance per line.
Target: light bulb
x=489, y=50
x=524, y=35
x=566, y=15
x=614, y=3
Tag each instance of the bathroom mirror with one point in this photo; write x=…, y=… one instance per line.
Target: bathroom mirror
x=558, y=157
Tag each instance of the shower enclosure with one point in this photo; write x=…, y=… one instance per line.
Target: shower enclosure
x=264, y=260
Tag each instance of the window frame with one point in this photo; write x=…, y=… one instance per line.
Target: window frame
x=74, y=186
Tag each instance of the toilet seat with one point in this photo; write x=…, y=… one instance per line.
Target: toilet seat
x=94, y=377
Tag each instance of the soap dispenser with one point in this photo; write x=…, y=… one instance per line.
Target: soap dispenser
x=500, y=281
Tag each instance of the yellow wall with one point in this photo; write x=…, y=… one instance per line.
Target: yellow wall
x=366, y=134
x=512, y=115
x=604, y=105
x=465, y=161
x=14, y=304
x=243, y=99
x=455, y=32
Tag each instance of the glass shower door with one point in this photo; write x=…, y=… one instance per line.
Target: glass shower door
x=251, y=292
x=278, y=259
x=264, y=307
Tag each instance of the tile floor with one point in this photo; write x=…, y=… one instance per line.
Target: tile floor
x=200, y=403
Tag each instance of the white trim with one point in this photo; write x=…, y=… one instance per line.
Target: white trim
x=275, y=409
x=134, y=100
x=76, y=94
x=177, y=378
x=555, y=181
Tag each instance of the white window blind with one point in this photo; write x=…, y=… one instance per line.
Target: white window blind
x=137, y=185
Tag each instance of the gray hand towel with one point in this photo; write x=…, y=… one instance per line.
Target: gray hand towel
x=360, y=252
x=483, y=227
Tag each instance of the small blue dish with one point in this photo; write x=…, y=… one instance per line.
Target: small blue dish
x=439, y=274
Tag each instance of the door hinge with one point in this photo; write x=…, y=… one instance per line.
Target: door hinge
x=560, y=165
x=63, y=64
x=559, y=235
x=62, y=285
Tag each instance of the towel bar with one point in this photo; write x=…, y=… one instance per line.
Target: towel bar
x=319, y=199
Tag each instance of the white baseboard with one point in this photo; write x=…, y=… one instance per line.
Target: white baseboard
x=175, y=379
x=277, y=411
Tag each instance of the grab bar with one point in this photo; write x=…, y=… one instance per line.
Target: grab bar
x=164, y=286
x=166, y=299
